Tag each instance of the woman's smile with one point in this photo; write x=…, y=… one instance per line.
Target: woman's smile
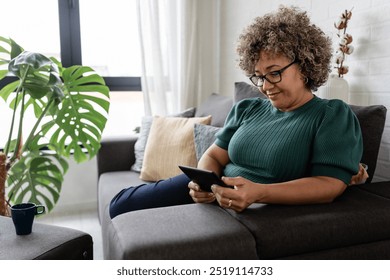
x=272, y=95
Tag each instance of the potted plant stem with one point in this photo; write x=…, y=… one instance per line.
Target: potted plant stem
x=70, y=106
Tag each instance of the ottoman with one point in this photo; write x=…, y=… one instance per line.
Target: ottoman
x=46, y=242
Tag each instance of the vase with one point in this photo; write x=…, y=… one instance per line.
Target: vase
x=335, y=88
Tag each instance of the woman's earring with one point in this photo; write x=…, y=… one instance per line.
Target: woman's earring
x=306, y=79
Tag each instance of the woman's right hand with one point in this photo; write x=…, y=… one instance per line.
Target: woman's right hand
x=214, y=158
x=198, y=195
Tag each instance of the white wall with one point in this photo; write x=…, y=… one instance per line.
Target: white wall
x=79, y=190
x=368, y=77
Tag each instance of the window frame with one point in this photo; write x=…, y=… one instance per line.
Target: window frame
x=70, y=43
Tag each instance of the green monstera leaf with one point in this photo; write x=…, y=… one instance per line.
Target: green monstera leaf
x=37, y=177
x=80, y=118
x=39, y=79
x=9, y=49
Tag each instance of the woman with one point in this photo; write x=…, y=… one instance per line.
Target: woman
x=292, y=148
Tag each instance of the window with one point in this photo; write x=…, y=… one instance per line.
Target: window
x=27, y=23
x=111, y=45
x=102, y=35
x=98, y=33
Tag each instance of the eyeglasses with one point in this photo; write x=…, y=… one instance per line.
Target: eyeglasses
x=273, y=77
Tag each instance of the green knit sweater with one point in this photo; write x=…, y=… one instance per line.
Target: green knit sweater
x=265, y=145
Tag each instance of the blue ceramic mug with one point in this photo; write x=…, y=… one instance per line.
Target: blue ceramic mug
x=23, y=216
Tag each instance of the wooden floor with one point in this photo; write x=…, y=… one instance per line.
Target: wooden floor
x=85, y=220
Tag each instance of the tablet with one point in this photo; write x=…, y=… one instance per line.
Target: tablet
x=204, y=178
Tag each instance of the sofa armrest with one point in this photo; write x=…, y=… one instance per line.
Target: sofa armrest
x=168, y=233
x=116, y=154
x=347, y=228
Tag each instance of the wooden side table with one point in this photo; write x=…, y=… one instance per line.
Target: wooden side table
x=45, y=242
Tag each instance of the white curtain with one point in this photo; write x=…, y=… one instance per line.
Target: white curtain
x=180, y=53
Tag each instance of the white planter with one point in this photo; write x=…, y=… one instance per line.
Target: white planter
x=335, y=88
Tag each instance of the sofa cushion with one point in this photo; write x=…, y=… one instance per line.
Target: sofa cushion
x=110, y=183
x=356, y=217
x=139, y=147
x=170, y=143
x=244, y=90
x=204, y=137
x=380, y=188
x=191, y=231
x=217, y=106
x=372, y=122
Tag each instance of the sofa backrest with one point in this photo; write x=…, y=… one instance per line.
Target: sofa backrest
x=372, y=122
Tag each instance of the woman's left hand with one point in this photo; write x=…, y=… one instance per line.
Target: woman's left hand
x=360, y=177
x=237, y=198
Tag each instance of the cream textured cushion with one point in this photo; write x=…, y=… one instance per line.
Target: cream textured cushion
x=170, y=143
x=140, y=144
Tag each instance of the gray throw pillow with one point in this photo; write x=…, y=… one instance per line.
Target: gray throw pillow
x=139, y=147
x=140, y=144
x=244, y=90
x=218, y=106
x=204, y=137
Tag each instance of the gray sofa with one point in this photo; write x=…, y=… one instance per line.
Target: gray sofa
x=355, y=226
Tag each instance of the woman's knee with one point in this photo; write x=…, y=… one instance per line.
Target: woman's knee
x=117, y=204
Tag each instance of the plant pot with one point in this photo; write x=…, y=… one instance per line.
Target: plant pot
x=335, y=88
x=4, y=211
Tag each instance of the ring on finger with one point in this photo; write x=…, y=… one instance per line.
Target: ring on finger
x=230, y=203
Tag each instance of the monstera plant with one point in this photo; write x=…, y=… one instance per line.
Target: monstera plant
x=70, y=108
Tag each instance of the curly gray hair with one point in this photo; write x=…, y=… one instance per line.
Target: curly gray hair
x=287, y=32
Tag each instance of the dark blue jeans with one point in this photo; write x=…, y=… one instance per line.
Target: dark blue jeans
x=169, y=192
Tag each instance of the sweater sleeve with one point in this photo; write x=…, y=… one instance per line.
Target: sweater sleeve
x=233, y=122
x=338, y=144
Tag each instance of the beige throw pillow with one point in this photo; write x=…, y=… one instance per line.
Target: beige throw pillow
x=170, y=143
